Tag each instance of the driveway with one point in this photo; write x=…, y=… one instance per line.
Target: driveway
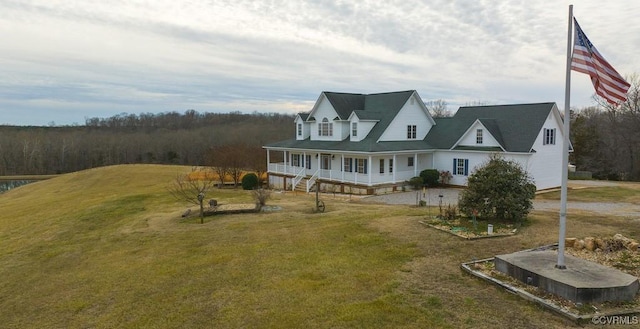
x=450, y=196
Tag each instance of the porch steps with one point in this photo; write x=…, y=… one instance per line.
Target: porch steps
x=302, y=186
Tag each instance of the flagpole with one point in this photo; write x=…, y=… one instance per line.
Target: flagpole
x=565, y=149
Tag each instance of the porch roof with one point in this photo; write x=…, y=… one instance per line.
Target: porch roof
x=348, y=146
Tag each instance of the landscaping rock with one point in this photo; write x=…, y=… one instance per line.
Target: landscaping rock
x=570, y=242
x=600, y=244
x=633, y=246
x=590, y=243
x=578, y=245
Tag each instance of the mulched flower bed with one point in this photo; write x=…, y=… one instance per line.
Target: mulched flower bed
x=464, y=228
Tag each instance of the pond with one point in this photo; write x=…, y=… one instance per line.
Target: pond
x=6, y=185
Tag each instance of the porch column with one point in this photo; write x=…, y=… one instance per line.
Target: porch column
x=395, y=164
x=268, y=160
x=319, y=161
x=284, y=158
x=415, y=165
x=369, y=169
x=342, y=166
x=304, y=162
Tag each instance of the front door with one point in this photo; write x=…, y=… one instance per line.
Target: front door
x=325, y=161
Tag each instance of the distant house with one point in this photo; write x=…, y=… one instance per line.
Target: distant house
x=374, y=143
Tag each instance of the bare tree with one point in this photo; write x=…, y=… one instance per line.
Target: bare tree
x=438, y=108
x=193, y=187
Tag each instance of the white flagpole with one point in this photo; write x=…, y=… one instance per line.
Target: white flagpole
x=565, y=149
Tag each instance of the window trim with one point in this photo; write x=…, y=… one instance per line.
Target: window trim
x=361, y=166
x=412, y=131
x=549, y=136
x=479, y=136
x=346, y=168
x=354, y=129
x=295, y=160
x=460, y=167
x=325, y=128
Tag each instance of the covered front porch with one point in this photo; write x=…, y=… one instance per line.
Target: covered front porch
x=357, y=169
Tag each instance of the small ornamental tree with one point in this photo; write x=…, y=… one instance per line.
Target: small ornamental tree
x=499, y=189
x=193, y=187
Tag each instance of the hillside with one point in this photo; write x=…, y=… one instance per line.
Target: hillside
x=107, y=247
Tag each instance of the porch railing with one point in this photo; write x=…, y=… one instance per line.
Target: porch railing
x=339, y=176
x=311, y=181
x=298, y=178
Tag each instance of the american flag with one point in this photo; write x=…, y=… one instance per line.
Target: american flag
x=609, y=84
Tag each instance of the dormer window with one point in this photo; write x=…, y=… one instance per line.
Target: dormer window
x=325, y=128
x=299, y=129
x=411, y=132
x=479, y=136
x=354, y=129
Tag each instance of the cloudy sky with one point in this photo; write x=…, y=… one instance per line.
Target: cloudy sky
x=62, y=61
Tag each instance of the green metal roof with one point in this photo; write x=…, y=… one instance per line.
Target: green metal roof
x=515, y=127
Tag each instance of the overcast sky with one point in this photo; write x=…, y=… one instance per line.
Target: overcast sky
x=63, y=61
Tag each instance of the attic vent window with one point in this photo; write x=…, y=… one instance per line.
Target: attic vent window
x=479, y=136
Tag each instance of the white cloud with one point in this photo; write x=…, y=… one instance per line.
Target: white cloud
x=154, y=56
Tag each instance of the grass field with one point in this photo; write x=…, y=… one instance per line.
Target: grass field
x=107, y=248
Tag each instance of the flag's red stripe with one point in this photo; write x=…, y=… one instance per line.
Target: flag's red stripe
x=608, y=83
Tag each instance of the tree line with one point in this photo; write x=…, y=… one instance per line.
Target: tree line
x=605, y=139
x=190, y=138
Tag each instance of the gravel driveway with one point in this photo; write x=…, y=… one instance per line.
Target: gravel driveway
x=450, y=196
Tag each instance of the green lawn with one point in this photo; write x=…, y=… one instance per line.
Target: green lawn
x=107, y=248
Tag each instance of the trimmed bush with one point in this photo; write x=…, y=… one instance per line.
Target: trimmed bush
x=416, y=183
x=249, y=181
x=430, y=177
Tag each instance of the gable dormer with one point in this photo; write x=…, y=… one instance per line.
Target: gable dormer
x=412, y=121
x=482, y=134
x=302, y=126
x=361, y=123
x=328, y=118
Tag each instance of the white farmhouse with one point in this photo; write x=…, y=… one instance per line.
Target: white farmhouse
x=374, y=143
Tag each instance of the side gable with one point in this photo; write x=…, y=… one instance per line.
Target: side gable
x=515, y=127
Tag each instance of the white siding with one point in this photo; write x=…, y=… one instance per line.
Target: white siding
x=410, y=114
x=343, y=129
x=323, y=110
x=444, y=162
x=545, y=164
x=469, y=138
x=364, y=127
x=305, y=128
